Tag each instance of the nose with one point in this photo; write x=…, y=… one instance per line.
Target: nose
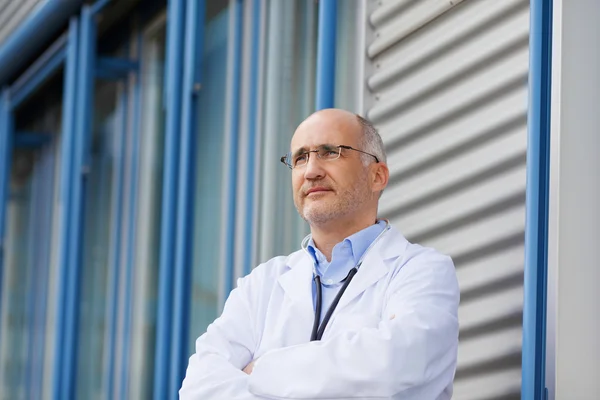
x=313, y=169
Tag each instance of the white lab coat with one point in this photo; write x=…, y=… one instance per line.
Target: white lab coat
x=394, y=334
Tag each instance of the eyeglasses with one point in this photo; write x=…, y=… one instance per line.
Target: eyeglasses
x=325, y=152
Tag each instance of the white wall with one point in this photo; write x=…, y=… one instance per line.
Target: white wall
x=446, y=85
x=573, y=362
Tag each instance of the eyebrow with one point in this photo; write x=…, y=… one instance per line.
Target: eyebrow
x=298, y=152
x=303, y=150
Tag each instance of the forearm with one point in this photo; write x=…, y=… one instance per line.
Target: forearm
x=212, y=377
x=412, y=356
x=215, y=369
x=369, y=364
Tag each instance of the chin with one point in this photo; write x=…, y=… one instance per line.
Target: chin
x=319, y=215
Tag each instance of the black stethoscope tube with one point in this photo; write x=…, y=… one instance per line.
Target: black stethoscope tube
x=319, y=329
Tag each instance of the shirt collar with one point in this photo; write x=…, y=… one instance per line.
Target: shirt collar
x=358, y=242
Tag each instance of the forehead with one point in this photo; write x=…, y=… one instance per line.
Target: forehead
x=326, y=129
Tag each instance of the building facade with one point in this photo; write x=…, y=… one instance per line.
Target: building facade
x=140, y=175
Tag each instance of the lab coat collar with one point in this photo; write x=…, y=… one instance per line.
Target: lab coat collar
x=297, y=284
x=391, y=245
x=297, y=281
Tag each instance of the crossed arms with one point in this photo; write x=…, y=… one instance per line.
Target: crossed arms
x=412, y=354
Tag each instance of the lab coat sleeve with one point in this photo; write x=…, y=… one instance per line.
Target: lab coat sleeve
x=215, y=369
x=412, y=356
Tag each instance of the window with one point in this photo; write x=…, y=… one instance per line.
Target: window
x=30, y=273
x=285, y=97
x=145, y=287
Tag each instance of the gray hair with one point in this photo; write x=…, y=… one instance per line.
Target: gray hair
x=371, y=142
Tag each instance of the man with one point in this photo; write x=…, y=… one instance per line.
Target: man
x=393, y=332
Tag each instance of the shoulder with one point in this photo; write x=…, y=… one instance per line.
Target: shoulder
x=418, y=254
x=272, y=269
x=423, y=275
x=426, y=261
x=422, y=264
x=396, y=248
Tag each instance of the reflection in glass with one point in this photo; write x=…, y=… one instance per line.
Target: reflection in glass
x=145, y=282
x=289, y=98
x=209, y=179
x=98, y=218
x=29, y=276
x=288, y=79
x=17, y=268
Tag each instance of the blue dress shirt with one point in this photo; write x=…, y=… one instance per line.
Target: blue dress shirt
x=344, y=257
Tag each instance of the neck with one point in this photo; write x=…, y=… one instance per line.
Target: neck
x=326, y=236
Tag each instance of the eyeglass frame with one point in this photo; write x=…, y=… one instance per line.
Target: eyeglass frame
x=339, y=147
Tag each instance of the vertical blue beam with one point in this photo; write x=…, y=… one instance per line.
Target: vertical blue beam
x=234, y=145
x=326, y=54
x=84, y=115
x=6, y=137
x=162, y=367
x=131, y=229
x=194, y=48
x=65, y=203
x=537, y=192
x=252, y=136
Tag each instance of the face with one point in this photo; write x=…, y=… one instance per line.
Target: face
x=326, y=191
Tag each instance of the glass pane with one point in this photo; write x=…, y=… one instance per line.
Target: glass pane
x=145, y=288
x=289, y=99
x=52, y=295
x=349, y=56
x=209, y=179
x=15, y=288
x=98, y=253
x=28, y=300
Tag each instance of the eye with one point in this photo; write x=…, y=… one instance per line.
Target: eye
x=329, y=153
x=300, y=159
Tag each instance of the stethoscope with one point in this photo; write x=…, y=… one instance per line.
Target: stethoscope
x=319, y=329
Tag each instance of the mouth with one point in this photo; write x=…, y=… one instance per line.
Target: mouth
x=316, y=191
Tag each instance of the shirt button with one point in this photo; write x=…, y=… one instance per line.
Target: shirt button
x=329, y=281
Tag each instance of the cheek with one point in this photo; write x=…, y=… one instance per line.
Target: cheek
x=339, y=179
x=296, y=184
x=350, y=179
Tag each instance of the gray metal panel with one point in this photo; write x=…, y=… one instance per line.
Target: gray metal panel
x=573, y=315
x=12, y=13
x=447, y=88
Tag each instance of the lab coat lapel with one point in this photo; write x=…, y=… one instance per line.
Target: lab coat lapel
x=371, y=271
x=297, y=285
x=374, y=268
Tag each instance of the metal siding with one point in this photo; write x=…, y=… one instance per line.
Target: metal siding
x=12, y=13
x=447, y=88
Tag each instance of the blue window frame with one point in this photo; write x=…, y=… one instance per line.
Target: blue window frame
x=30, y=141
x=200, y=115
x=537, y=194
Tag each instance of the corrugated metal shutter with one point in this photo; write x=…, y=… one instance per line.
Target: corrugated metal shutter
x=12, y=13
x=447, y=87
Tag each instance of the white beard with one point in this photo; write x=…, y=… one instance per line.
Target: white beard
x=341, y=204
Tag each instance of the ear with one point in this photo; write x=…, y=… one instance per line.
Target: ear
x=380, y=175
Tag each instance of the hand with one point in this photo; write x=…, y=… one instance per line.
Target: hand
x=248, y=368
